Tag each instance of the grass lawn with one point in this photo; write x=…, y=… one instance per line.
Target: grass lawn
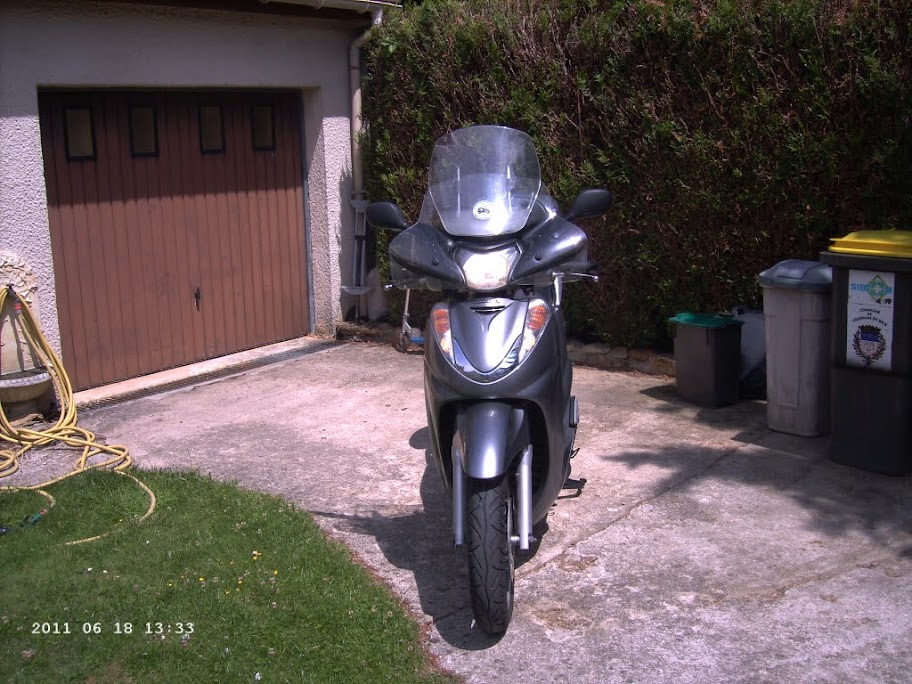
x=219, y=585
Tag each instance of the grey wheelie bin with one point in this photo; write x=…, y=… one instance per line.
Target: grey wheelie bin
x=872, y=350
x=796, y=304
x=707, y=351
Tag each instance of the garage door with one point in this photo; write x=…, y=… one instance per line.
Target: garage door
x=177, y=226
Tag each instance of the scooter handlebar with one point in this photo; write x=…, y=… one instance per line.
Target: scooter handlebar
x=579, y=269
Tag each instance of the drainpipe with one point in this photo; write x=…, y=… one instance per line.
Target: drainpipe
x=359, y=200
x=354, y=70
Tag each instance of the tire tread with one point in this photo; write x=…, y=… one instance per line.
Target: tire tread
x=490, y=554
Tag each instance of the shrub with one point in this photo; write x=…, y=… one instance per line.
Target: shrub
x=734, y=134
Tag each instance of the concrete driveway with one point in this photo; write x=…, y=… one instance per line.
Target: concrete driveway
x=704, y=548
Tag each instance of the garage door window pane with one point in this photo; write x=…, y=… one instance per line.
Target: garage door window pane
x=143, y=132
x=212, y=137
x=263, y=129
x=79, y=133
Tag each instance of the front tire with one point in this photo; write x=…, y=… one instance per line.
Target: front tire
x=490, y=552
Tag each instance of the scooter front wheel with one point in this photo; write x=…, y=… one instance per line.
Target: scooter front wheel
x=490, y=552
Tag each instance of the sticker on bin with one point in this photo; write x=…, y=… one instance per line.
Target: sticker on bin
x=869, y=333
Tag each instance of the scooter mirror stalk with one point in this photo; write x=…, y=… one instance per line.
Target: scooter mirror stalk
x=558, y=289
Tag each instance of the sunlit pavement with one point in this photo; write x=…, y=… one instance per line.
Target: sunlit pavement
x=703, y=548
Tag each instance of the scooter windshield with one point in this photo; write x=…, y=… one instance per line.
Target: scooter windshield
x=483, y=180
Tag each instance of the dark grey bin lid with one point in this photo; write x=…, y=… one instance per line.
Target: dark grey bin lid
x=797, y=274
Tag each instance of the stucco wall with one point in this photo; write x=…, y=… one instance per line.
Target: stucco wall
x=94, y=44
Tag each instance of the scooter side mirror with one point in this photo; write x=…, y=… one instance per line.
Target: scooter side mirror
x=386, y=215
x=589, y=204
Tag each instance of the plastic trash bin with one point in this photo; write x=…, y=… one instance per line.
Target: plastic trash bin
x=796, y=303
x=707, y=351
x=752, y=383
x=872, y=350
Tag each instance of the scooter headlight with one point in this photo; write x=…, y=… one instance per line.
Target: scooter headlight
x=487, y=271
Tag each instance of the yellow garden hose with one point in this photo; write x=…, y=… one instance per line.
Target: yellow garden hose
x=93, y=454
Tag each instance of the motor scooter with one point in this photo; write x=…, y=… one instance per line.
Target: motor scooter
x=497, y=377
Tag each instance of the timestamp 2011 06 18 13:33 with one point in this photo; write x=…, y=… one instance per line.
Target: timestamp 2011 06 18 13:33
x=117, y=627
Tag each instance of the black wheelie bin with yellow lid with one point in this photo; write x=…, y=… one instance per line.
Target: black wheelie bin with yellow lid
x=871, y=379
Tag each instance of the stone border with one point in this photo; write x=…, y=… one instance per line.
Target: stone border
x=602, y=356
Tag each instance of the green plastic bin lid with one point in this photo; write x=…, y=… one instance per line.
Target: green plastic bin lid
x=883, y=243
x=704, y=320
x=797, y=274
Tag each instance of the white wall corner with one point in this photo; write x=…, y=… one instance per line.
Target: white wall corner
x=328, y=178
x=24, y=226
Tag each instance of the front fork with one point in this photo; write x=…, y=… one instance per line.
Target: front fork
x=524, y=499
x=523, y=492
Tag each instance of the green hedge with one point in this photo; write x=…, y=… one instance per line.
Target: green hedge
x=734, y=134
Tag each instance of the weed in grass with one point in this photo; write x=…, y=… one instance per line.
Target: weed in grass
x=220, y=584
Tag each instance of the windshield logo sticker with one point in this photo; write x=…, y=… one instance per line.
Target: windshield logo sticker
x=483, y=210
x=869, y=324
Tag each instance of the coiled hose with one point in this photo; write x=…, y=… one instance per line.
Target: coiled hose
x=93, y=455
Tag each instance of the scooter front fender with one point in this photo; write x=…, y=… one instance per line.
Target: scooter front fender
x=490, y=435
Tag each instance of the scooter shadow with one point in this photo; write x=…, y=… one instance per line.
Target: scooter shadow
x=422, y=543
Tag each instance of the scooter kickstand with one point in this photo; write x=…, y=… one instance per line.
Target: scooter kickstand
x=575, y=485
x=572, y=483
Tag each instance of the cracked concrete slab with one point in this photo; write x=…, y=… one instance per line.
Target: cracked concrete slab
x=704, y=547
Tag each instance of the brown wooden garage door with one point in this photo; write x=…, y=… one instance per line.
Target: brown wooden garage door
x=177, y=226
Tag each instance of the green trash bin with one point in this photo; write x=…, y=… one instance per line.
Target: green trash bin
x=707, y=351
x=871, y=377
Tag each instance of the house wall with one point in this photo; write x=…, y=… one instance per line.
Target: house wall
x=94, y=44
